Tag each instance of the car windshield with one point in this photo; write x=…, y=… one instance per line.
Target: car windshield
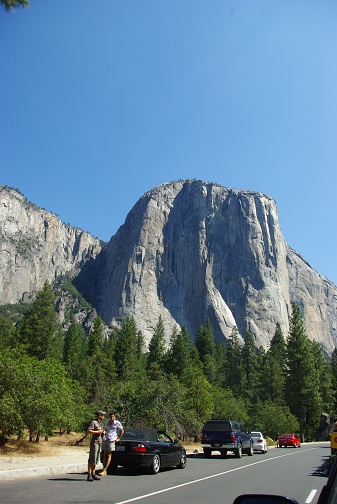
x=217, y=426
x=255, y=434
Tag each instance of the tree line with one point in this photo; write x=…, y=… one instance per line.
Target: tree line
x=54, y=380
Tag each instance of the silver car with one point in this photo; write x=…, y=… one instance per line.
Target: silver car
x=259, y=442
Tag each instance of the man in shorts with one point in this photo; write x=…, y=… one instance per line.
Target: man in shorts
x=114, y=431
x=96, y=430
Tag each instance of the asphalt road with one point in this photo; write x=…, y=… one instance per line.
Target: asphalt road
x=298, y=473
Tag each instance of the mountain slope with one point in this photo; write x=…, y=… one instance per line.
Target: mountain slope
x=190, y=250
x=36, y=246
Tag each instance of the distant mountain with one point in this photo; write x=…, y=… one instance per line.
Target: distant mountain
x=36, y=246
x=188, y=250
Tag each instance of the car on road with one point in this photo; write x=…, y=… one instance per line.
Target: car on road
x=225, y=436
x=259, y=442
x=147, y=448
x=288, y=440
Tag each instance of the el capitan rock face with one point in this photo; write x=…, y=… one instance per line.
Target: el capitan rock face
x=190, y=250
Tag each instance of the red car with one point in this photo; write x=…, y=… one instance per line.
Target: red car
x=288, y=440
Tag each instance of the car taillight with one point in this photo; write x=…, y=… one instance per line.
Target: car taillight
x=233, y=437
x=201, y=438
x=259, y=440
x=140, y=448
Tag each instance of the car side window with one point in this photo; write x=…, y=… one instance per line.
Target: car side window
x=164, y=438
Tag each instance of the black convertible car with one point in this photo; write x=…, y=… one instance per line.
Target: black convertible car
x=147, y=448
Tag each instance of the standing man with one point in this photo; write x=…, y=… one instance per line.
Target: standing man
x=96, y=430
x=114, y=431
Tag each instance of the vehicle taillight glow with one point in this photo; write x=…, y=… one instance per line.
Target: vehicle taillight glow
x=233, y=437
x=140, y=448
x=259, y=440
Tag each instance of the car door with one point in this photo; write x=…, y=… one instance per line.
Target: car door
x=169, y=449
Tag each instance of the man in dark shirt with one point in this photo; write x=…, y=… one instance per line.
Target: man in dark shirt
x=96, y=430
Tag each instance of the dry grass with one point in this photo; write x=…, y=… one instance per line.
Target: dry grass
x=22, y=447
x=192, y=447
x=52, y=446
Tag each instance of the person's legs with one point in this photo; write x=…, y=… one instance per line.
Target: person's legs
x=92, y=461
x=109, y=447
x=108, y=459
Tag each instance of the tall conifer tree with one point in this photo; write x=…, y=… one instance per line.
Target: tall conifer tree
x=157, y=348
x=235, y=371
x=178, y=357
x=302, y=378
x=274, y=369
x=40, y=331
x=126, y=352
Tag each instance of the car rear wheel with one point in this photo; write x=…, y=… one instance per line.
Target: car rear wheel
x=155, y=464
x=238, y=451
x=250, y=451
x=182, y=463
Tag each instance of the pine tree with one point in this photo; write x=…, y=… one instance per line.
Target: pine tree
x=157, y=348
x=325, y=378
x=221, y=364
x=205, y=344
x=333, y=364
x=251, y=371
x=235, y=372
x=10, y=5
x=274, y=369
x=95, y=342
x=204, y=341
x=6, y=333
x=302, y=378
x=178, y=356
x=126, y=352
x=73, y=353
x=40, y=331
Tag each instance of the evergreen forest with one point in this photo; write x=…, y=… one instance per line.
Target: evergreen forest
x=51, y=380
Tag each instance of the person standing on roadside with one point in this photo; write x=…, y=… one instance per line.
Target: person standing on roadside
x=96, y=430
x=114, y=431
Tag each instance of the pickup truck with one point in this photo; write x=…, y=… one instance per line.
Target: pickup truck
x=224, y=436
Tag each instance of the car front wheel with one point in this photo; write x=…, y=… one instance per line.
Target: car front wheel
x=155, y=465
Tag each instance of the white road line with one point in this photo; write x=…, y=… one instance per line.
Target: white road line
x=210, y=477
x=310, y=496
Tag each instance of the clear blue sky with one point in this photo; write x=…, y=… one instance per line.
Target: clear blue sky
x=102, y=101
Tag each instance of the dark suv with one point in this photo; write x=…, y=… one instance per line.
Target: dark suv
x=225, y=435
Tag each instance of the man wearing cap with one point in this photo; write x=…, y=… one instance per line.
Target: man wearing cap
x=96, y=430
x=114, y=431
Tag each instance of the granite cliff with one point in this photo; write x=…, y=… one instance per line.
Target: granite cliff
x=189, y=250
x=36, y=246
